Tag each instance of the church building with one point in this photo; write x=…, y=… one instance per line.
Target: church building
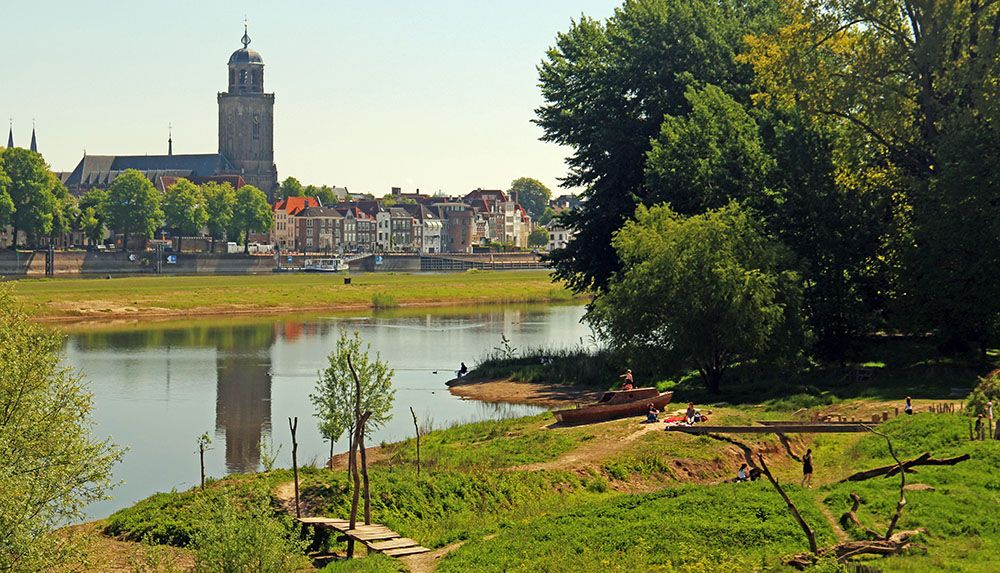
x=246, y=140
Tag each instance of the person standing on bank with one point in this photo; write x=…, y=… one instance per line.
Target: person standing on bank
x=807, y=468
x=627, y=384
x=909, y=406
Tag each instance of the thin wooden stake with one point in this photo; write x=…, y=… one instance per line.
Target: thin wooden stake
x=416, y=429
x=201, y=454
x=791, y=506
x=293, y=426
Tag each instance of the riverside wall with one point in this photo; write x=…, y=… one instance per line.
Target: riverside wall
x=80, y=263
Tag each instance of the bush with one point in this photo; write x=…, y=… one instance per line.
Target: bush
x=248, y=538
x=381, y=300
x=987, y=390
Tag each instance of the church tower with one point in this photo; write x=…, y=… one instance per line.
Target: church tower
x=246, y=120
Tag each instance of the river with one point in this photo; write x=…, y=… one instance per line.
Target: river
x=158, y=386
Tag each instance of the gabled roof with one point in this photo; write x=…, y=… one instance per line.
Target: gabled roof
x=325, y=212
x=293, y=205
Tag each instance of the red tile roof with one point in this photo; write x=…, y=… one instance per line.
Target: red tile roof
x=293, y=205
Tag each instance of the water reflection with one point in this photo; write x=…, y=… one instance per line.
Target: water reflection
x=159, y=386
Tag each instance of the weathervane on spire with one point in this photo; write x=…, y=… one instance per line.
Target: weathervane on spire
x=246, y=36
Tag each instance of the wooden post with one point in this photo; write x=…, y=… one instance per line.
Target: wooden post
x=416, y=429
x=293, y=426
x=897, y=412
x=201, y=454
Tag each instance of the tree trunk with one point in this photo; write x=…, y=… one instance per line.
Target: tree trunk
x=293, y=426
x=201, y=455
x=364, y=477
x=246, y=241
x=416, y=430
x=329, y=460
x=125, y=240
x=13, y=243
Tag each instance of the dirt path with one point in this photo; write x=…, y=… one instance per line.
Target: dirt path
x=428, y=562
x=511, y=392
x=591, y=452
x=841, y=536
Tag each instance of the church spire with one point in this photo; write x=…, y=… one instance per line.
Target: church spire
x=170, y=139
x=34, y=144
x=10, y=135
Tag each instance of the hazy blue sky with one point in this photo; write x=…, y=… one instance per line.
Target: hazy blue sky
x=435, y=94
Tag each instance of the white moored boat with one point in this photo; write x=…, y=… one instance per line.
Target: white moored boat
x=324, y=265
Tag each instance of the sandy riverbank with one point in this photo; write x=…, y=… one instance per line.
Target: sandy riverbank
x=514, y=392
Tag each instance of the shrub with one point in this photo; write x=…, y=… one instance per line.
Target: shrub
x=988, y=389
x=381, y=300
x=246, y=538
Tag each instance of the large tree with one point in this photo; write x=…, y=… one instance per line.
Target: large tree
x=133, y=205
x=532, y=194
x=6, y=203
x=65, y=212
x=914, y=83
x=31, y=192
x=713, y=290
x=708, y=157
x=52, y=466
x=220, y=201
x=251, y=213
x=184, y=209
x=607, y=87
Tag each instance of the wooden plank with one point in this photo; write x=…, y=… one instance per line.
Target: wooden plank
x=799, y=428
x=322, y=520
x=405, y=551
x=392, y=544
x=796, y=423
x=372, y=535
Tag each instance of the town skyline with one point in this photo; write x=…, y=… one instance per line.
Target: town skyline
x=393, y=127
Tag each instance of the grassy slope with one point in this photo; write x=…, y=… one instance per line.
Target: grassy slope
x=95, y=298
x=587, y=519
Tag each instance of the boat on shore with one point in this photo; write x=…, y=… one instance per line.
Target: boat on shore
x=324, y=265
x=616, y=404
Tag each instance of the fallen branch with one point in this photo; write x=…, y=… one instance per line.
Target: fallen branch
x=891, y=470
x=788, y=447
x=747, y=453
x=852, y=517
x=895, y=545
x=791, y=506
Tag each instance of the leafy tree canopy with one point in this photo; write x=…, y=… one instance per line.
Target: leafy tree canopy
x=712, y=289
x=291, y=187
x=184, y=208
x=532, y=194
x=133, y=205
x=31, y=192
x=52, y=465
x=220, y=200
x=251, y=213
x=538, y=238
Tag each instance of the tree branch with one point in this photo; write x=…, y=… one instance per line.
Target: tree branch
x=791, y=506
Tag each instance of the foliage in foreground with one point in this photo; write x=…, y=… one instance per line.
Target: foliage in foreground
x=50, y=465
x=246, y=537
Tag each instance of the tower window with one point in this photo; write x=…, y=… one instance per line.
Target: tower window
x=243, y=77
x=256, y=129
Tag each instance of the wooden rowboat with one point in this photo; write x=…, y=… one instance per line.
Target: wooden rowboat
x=616, y=404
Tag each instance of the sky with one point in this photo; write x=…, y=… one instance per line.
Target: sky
x=433, y=94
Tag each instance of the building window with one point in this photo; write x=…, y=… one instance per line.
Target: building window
x=309, y=241
x=243, y=77
x=256, y=129
x=309, y=223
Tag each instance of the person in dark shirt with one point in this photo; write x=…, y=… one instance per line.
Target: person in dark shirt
x=807, y=468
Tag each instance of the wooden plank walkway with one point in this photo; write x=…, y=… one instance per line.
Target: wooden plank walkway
x=375, y=537
x=771, y=429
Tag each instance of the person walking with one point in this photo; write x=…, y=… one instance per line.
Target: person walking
x=807, y=468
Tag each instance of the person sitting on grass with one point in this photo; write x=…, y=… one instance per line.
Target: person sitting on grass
x=690, y=414
x=652, y=414
x=755, y=474
x=742, y=474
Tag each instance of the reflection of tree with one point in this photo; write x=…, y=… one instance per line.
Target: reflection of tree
x=243, y=392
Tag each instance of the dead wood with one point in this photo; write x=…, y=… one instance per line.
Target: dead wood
x=788, y=447
x=747, y=453
x=852, y=517
x=891, y=470
x=895, y=545
x=791, y=506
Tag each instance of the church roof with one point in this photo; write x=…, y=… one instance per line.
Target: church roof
x=245, y=56
x=100, y=170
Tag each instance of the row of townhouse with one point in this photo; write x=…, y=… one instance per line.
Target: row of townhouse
x=415, y=223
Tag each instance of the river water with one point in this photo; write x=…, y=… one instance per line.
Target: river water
x=158, y=386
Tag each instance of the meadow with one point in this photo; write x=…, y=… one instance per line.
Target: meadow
x=178, y=296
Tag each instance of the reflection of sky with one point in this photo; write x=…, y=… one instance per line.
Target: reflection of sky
x=157, y=398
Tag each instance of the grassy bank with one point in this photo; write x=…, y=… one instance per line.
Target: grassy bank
x=166, y=296
x=519, y=495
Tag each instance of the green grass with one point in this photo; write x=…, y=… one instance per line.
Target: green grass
x=578, y=367
x=489, y=444
x=94, y=298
